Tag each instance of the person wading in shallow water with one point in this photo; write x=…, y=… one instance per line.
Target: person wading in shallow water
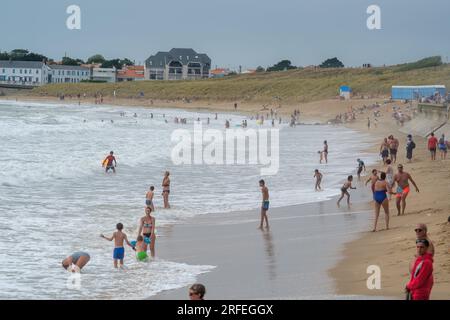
x=166, y=189
x=265, y=204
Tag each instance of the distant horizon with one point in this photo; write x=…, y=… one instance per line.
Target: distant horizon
x=237, y=33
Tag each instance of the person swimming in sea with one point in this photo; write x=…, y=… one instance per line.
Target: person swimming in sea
x=344, y=190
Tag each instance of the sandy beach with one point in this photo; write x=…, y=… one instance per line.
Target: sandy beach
x=220, y=241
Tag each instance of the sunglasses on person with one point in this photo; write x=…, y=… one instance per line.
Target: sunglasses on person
x=192, y=294
x=418, y=230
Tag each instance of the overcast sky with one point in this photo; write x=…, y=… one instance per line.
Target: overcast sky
x=232, y=32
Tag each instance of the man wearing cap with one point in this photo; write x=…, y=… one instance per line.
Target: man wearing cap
x=421, y=234
x=421, y=281
x=402, y=179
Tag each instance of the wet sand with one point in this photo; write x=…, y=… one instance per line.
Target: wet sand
x=290, y=261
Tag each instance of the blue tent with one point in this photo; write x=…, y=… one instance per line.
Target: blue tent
x=345, y=89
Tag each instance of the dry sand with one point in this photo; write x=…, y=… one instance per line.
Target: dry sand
x=393, y=250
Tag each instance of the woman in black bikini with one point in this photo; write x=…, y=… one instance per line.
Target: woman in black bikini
x=166, y=189
x=147, y=230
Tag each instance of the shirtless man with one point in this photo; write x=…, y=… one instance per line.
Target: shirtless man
x=402, y=179
x=393, y=147
x=265, y=204
x=318, y=175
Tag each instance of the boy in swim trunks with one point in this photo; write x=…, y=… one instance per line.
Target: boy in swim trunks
x=119, y=251
x=402, y=179
x=265, y=204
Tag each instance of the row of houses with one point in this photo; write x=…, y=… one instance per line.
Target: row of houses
x=176, y=64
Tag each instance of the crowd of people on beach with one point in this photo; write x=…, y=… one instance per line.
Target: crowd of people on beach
x=385, y=184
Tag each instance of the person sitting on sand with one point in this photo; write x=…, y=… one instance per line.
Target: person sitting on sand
x=402, y=179
x=197, y=292
x=265, y=204
x=380, y=189
x=421, y=282
x=76, y=261
x=318, y=175
x=147, y=230
x=149, y=198
x=347, y=185
x=119, y=238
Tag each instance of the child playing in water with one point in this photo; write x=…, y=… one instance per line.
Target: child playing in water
x=141, y=252
x=318, y=175
x=119, y=251
x=347, y=185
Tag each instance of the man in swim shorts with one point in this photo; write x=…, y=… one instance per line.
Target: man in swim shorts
x=109, y=165
x=402, y=179
x=393, y=147
x=265, y=204
x=77, y=260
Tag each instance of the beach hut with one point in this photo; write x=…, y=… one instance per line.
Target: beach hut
x=416, y=92
x=345, y=92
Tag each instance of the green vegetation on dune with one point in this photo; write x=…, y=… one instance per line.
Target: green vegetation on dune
x=291, y=86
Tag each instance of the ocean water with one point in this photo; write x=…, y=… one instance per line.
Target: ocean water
x=56, y=199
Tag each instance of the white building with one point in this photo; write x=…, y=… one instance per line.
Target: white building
x=23, y=73
x=68, y=74
x=104, y=74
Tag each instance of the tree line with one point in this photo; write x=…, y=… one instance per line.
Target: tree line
x=25, y=55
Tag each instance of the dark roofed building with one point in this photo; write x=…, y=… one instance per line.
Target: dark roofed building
x=177, y=64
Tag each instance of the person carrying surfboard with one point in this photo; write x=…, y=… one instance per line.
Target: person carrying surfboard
x=108, y=162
